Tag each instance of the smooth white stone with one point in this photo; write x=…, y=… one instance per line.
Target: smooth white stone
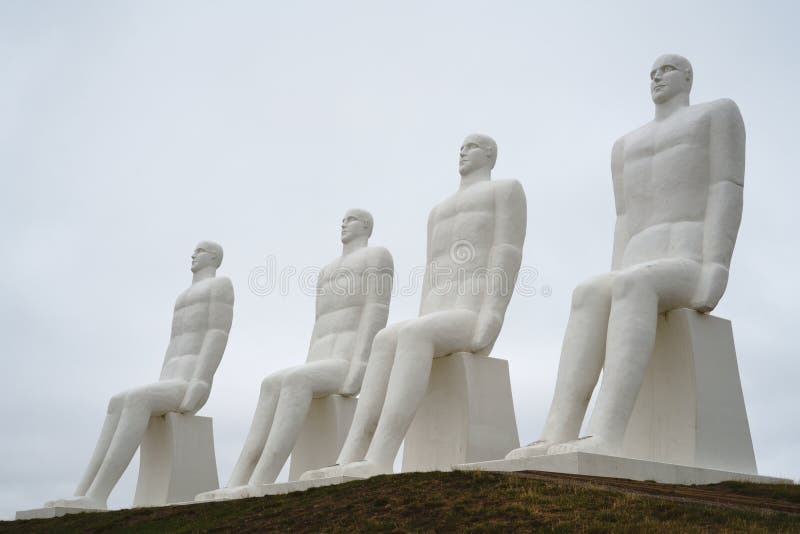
x=49, y=512
x=352, y=305
x=690, y=410
x=302, y=485
x=177, y=460
x=474, y=250
x=323, y=434
x=467, y=415
x=584, y=463
x=201, y=322
x=678, y=183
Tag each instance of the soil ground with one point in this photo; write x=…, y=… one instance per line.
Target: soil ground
x=467, y=502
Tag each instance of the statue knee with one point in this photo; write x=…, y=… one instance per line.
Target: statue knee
x=628, y=284
x=385, y=338
x=594, y=291
x=270, y=384
x=133, y=401
x=296, y=381
x=116, y=403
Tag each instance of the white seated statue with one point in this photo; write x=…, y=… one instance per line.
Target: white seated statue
x=678, y=189
x=475, y=240
x=200, y=327
x=353, y=296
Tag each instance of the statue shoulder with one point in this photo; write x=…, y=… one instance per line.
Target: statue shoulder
x=724, y=109
x=222, y=289
x=510, y=186
x=509, y=192
x=379, y=257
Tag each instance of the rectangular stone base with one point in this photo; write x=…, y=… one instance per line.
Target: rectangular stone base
x=582, y=463
x=51, y=512
x=302, y=485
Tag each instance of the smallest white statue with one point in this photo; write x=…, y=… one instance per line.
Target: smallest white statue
x=200, y=327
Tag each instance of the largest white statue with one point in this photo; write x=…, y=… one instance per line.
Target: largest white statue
x=678, y=191
x=200, y=327
x=353, y=294
x=475, y=240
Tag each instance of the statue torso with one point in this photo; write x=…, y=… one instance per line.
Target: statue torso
x=665, y=179
x=343, y=288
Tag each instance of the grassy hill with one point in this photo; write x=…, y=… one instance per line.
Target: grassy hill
x=466, y=502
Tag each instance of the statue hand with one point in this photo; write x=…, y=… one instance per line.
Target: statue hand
x=352, y=383
x=710, y=287
x=195, y=396
x=486, y=330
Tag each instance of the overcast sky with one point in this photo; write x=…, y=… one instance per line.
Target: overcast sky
x=131, y=130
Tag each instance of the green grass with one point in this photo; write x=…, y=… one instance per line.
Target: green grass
x=443, y=502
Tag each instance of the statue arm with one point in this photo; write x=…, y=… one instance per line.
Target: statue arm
x=220, y=317
x=377, y=280
x=620, y=231
x=505, y=259
x=428, y=274
x=724, y=204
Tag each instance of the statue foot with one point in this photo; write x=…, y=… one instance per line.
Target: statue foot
x=83, y=501
x=537, y=448
x=595, y=444
x=325, y=472
x=362, y=469
x=224, y=494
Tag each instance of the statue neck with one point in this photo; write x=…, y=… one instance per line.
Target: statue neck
x=478, y=175
x=671, y=106
x=355, y=244
x=202, y=274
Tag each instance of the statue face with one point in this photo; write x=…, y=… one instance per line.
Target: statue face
x=667, y=79
x=352, y=227
x=202, y=258
x=472, y=156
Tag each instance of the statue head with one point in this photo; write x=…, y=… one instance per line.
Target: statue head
x=206, y=254
x=356, y=223
x=477, y=151
x=671, y=75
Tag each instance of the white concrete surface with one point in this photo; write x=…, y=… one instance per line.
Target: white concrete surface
x=352, y=305
x=584, y=463
x=323, y=434
x=177, y=460
x=474, y=252
x=200, y=326
x=678, y=183
x=690, y=409
x=467, y=415
x=49, y=512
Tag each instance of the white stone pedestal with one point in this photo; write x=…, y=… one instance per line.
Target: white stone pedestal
x=323, y=434
x=583, y=463
x=690, y=410
x=176, y=461
x=467, y=415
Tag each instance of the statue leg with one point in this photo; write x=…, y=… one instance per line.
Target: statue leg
x=373, y=394
x=100, y=451
x=259, y=429
x=138, y=406
x=582, y=355
x=418, y=342
x=639, y=294
x=128, y=416
x=298, y=387
x=370, y=403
